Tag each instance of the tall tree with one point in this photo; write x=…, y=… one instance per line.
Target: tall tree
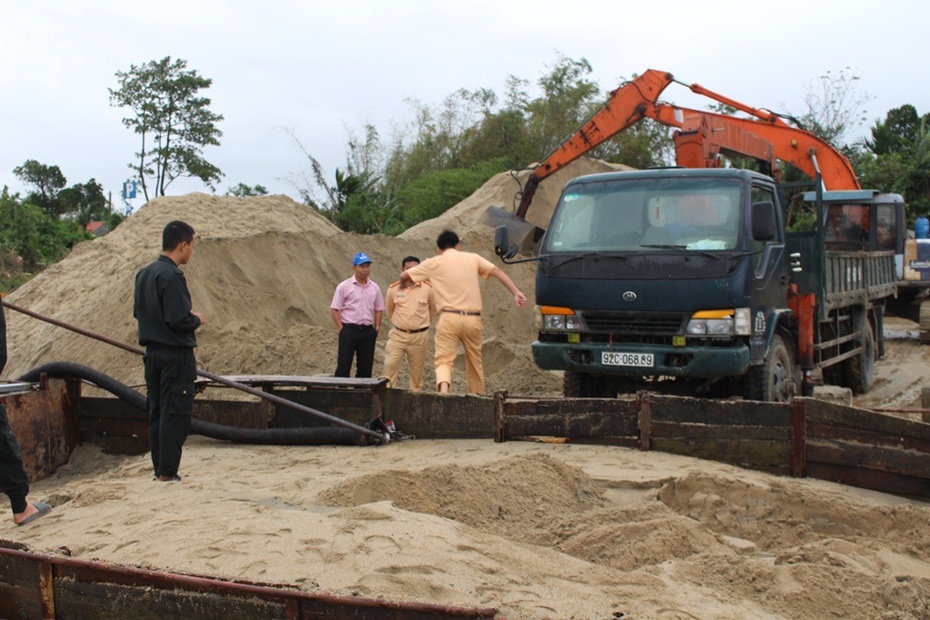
x=85, y=202
x=47, y=181
x=173, y=123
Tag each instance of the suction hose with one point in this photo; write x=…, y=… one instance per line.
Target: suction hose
x=372, y=437
x=320, y=435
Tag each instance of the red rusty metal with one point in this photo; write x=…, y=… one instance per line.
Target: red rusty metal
x=44, y=423
x=90, y=571
x=803, y=307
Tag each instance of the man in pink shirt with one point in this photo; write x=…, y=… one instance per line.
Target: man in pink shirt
x=356, y=309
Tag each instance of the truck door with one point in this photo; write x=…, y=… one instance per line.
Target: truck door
x=770, y=277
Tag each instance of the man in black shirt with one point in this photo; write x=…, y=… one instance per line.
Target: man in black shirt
x=166, y=329
x=13, y=480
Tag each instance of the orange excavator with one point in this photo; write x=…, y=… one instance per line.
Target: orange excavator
x=654, y=279
x=701, y=138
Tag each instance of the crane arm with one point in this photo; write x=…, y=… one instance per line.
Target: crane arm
x=626, y=106
x=701, y=136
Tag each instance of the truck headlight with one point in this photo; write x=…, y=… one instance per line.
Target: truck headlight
x=729, y=322
x=553, y=318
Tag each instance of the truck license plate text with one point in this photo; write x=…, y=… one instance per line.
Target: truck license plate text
x=611, y=358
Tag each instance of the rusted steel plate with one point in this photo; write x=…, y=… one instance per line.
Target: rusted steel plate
x=750, y=454
x=84, y=590
x=83, y=600
x=596, y=424
x=44, y=424
x=841, y=415
x=736, y=413
x=20, y=596
x=886, y=482
x=866, y=456
x=713, y=431
x=829, y=431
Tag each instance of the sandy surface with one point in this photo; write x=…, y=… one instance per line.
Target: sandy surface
x=537, y=530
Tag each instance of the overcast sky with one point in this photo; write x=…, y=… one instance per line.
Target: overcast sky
x=315, y=67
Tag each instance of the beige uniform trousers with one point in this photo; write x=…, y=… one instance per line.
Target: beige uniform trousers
x=413, y=347
x=451, y=329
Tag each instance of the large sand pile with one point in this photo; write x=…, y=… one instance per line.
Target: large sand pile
x=538, y=530
x=263, y=274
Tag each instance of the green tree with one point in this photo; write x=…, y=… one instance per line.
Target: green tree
x=30, y=239
x=242, y=190
x=897, y=158
x=85, y=202
x=47, y=181
x=834, y=106
x=174, y=123
x=568, y=98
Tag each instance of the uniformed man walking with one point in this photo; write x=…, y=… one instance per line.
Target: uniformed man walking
x=454, y=275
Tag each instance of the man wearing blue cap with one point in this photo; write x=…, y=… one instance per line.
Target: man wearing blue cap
x=356, y=309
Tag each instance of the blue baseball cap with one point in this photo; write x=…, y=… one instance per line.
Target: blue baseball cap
x=360, y=259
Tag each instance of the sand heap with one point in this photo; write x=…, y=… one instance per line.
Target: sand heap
x=263, y=273
x=541, y=531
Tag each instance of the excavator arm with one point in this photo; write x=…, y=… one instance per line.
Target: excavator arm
x=701, y=137
x=626, y=106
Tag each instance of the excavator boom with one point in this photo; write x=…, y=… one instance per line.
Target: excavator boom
x=701, y=137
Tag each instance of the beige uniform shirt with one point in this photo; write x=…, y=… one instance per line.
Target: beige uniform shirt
x=454, y=276
x=411, y=308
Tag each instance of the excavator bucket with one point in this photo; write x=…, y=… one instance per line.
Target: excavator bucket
x=521, y=232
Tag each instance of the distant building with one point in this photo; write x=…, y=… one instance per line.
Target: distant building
x=98, y=228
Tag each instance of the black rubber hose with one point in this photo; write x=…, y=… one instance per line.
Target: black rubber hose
x=317, y=435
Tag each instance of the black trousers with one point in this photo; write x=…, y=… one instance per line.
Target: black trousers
x=356, y=341
x=169, y=382
x=13, y=479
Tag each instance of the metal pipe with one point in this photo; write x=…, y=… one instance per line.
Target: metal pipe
x=382, y=438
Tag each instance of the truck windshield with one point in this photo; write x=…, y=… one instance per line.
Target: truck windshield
x=640, y=215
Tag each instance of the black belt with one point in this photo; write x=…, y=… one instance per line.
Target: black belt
x=412, y=331
x=462, y=312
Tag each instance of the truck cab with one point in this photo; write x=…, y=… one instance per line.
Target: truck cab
x=684, y=281
x=658, y=275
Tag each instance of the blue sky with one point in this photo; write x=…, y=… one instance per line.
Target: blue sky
x=318, y=69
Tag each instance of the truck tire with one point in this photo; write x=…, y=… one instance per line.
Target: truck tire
x=860, y=370
x=582, y=385
x=574, y=384
x=775, y=380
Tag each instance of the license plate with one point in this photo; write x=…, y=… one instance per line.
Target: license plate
x=611, y=358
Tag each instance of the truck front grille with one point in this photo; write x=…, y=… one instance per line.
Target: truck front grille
x=635, y=323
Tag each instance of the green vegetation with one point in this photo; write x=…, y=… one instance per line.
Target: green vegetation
x=173, y=123
x=441, y=156
x=448, y=151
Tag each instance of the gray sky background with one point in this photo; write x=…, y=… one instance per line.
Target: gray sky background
x=316, y=68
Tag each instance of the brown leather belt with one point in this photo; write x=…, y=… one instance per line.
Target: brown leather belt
x=462, y=312
x=412, y=331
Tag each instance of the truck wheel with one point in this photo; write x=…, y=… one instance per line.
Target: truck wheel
x=581, y=385
x=775, y=380
x=574, y=384
x=860, y=370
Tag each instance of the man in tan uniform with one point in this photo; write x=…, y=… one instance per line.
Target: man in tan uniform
x=411, y=308
x=454, y=275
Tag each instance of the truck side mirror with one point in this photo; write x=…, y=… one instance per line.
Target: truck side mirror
x=764, y=224
x=501, y=244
